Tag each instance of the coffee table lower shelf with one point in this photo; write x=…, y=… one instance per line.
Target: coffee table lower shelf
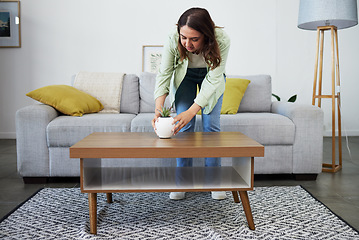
x=162, y=179
x=96, y=179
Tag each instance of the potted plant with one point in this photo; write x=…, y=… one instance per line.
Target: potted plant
x=164, y=124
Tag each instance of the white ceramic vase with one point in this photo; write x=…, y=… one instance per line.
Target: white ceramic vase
x=164, y=127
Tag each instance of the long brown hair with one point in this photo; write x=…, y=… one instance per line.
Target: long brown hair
x=200, y=20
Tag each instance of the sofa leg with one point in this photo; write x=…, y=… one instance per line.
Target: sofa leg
x=305, y=177
x=35, y=180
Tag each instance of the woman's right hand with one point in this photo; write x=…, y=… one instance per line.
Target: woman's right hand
x=154, y=120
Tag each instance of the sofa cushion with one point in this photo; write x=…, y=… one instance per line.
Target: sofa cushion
x=233, y=94
x=142, y=123
x=130, y=100
x=258, y=96
x=106, y=87
x=130, y=97
x=65, y=131
x=66, y=99
x=147, y=89
x=265, y=128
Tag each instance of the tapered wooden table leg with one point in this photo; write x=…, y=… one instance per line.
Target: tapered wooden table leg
x=247, y=209
x=109, y=197
x=235, y=196
x=93, y=212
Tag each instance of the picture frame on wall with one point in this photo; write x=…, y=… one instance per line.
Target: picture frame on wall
x=10, y=34
x=151, y=58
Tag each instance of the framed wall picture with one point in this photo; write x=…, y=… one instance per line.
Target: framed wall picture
x=151, y=58
x=10, y=23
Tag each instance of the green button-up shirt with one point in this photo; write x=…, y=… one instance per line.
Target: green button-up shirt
x=173, y=71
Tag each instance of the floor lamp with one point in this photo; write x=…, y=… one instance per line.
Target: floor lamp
x=328, y=15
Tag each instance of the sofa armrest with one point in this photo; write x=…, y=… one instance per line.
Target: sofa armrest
x=308, y=141
x=31, y=141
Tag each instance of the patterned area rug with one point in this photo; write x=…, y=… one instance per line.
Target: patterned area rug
x=278, y=212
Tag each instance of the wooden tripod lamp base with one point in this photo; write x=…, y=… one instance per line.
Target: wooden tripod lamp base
x=335, y=96
x=330, y=168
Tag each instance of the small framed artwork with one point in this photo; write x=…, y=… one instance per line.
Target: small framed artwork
x=10, y=23
x=151, y=58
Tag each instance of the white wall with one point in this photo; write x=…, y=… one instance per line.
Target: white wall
x=60, y=38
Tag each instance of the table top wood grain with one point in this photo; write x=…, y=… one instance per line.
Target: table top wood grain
x=148, y=145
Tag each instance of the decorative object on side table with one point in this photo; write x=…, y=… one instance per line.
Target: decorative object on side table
x=164, y=124
x=10, y=24
x=324, y=15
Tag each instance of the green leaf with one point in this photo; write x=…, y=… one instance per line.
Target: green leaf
x=276, y=96
x=293, y=98
x=165, y=111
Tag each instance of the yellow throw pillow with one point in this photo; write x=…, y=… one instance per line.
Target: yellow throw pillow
x=67, y=99
x=233, y=94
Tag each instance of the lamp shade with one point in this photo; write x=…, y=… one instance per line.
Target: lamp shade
x=318, y=13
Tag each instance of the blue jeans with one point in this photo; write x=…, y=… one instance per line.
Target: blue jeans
x=185, y=95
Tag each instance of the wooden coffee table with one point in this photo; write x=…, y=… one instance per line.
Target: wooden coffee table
x=237, y=178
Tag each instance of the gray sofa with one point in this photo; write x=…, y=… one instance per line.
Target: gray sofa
x=291, y=133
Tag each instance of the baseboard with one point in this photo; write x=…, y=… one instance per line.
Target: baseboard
x=7, y=135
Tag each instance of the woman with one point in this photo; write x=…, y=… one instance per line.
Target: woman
x=194, y=55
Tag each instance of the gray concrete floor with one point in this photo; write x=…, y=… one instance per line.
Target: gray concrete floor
x=338, y=191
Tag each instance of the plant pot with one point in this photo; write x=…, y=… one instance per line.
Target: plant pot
x=164, y=126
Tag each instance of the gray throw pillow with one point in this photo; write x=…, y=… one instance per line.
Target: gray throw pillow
x=130, y=102
x=147, y=89
x=258, y=96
